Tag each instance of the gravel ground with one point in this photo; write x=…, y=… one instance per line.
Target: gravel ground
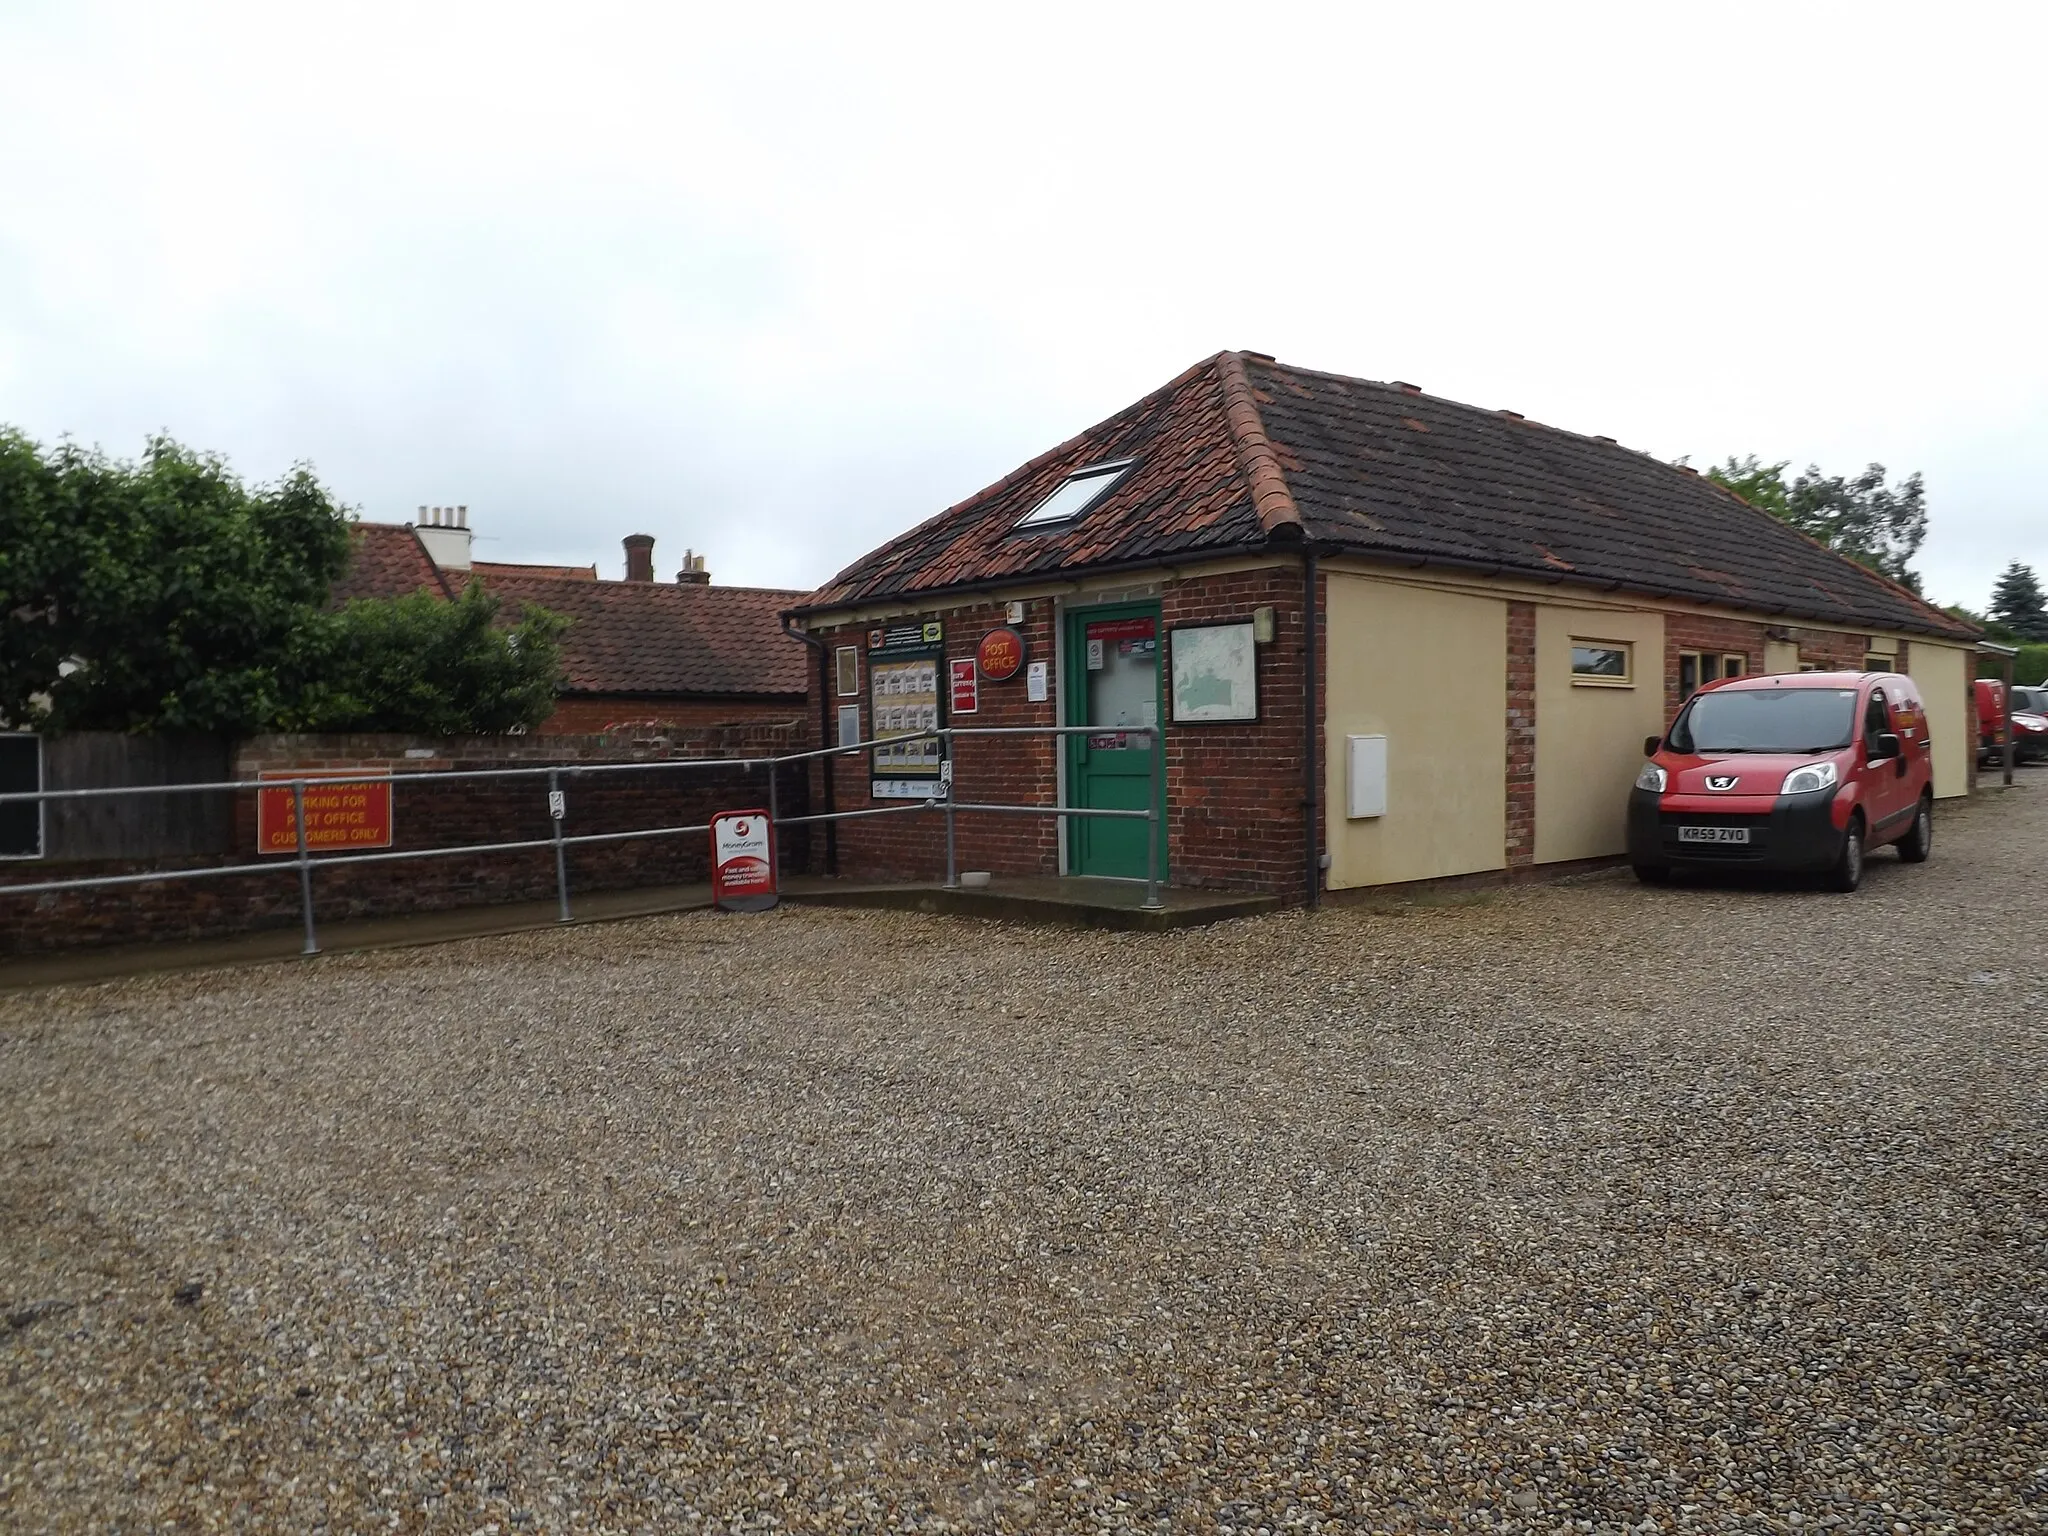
x=1580, y=1207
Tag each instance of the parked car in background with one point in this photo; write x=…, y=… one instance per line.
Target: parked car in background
x=1797, y=772
x=2029, y=722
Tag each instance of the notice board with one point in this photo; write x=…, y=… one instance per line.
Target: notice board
x=906, y=666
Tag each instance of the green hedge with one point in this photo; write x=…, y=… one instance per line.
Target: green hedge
x=2029, y=667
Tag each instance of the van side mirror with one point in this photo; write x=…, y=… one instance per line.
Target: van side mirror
x=1884, y=746
x=1651, y=744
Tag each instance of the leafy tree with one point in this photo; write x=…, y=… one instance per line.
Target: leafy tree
x=1877, y=525
x=156, y=595
x=2018, y=604
x=163, y=594
x=420, y=664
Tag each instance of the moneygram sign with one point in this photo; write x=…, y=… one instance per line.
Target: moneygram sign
x=346, y=810
x=742, y=861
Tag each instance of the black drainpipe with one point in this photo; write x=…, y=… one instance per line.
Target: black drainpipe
x=1311, y=729
x=825, y=739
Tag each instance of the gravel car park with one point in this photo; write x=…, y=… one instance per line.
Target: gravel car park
x=1579, y=1206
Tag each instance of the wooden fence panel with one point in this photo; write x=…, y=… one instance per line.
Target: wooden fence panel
x=137, y=826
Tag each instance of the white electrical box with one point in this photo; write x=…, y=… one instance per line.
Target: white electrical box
x=1365, y=764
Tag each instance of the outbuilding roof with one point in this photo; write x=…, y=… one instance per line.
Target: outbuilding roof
x=645, y=637
x=624, y=637
x=385, y=560
x=1242, y=452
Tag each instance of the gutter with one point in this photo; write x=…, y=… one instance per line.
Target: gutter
x=827, y=765
x=1280, y=542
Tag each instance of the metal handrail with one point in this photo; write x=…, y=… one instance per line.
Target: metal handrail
x=305, y=859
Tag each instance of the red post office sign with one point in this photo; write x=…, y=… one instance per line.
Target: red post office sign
x=346, y=809
x=966, y=690
x=1000, y=654
x=742, y=861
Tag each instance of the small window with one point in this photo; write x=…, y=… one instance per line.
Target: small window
x=1696, y=670
x=1875, y=720
x=847, y=660
x=1602, y=663
x=1734, y=666
x=21, y=773
x=1075, y=495
x=1876, y=663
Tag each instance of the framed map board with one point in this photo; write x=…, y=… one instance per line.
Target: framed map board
x=905, y=681
x=1215, y=673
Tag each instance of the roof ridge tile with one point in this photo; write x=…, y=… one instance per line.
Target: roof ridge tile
x=1271, y=499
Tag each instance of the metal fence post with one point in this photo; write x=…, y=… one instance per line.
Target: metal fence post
x=774, y=815
x=1155, y=819
x=305, y=866
x=952, y=846
x=558, y=811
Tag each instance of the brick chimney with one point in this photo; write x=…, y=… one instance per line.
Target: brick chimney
x=639, y=556
x=693, y=573
x=445, y=533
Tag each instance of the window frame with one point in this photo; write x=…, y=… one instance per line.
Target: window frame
x=1111, y=473
x=1627, y=650
x=1734, y=664
x=840, y=655
x=42, y=806
x=1888, y=663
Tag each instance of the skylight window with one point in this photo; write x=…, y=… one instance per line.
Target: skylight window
x=1075, y=495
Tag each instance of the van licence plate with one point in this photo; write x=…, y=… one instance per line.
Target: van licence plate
x=1713, y=834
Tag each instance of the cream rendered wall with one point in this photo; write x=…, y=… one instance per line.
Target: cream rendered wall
x=1589, y=738
x=1781, y=656
x=1942, y=673
x=1428, y=670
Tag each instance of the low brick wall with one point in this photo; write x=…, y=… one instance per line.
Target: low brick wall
x=637, y=791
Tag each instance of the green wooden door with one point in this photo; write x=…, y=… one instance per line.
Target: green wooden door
x=1112, y=685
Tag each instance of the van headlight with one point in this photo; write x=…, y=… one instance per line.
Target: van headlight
x=1811, y=779
x=1652, y=778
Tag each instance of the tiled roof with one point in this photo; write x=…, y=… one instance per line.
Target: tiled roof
x=645, y=637
x=385, y=560
x=625, y=637
x=1242, y=452
x=490, y=568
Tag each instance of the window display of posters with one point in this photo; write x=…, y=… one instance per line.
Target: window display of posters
x=905, y=676
x=1215, y=673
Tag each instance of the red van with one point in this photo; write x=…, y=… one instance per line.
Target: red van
x=1798, y=771
x=2029, y=726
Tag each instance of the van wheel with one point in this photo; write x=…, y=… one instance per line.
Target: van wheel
x=1652, y=874
x=1848, y=871
x=1919, y=842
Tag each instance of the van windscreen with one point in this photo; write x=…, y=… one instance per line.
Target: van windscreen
x=1766, y=720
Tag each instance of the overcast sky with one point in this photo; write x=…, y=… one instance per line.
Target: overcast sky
x=776, y=282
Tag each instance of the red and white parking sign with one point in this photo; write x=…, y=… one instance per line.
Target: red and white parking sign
x=742, y=861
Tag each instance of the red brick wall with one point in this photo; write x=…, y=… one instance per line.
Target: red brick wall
x=1832, y=650
x=1234, y=791
x=431, y=815
x=1521, y=736
x=591, y=714
x=1717, y=637
x=1017, y=770
x=1235, y=817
